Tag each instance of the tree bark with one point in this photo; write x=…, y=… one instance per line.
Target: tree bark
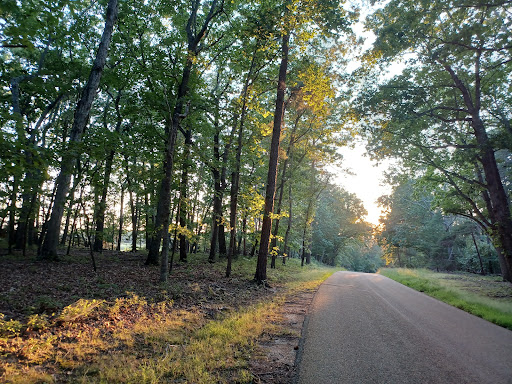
x=49, y=248
x=500, y=214
x=165, y=190
x=100, y=212
x=184, y=205
x=286, y=247
x=235, y=175
x=121, y=218
x=273, y=244
x=261, y=267
x=12, y=214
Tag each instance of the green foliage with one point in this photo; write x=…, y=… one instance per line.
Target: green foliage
x=10, y=328
x=415, y=234
x=360, y=256
x=80, y=309
x=338, y=222
x=447, y=114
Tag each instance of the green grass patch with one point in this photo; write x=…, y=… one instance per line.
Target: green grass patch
x=484, y=296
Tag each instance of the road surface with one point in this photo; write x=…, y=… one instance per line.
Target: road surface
x=366, y=328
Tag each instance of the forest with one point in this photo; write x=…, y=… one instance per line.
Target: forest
x=168, y=171
x=185, y=127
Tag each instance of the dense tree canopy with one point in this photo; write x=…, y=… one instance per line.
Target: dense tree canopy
x=446, y=115
x=186, y=126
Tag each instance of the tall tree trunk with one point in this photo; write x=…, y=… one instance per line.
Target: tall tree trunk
x=68, y=220
x=184, y=205
x=49, y=248
x=27, y=204
x=121, y=218
x=273, y=244
x=261, y=267
x=286, y=247
x=135, y=221
x=217, y=193
x=12, y=214
x=71, y=197
x=149, y=221
x=100, y=212
x=235, y=175
x=244, y=235
x=217, y=214
x=500, y=213
x=165, y=191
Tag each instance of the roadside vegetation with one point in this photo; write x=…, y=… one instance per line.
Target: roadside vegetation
x=488, y=297
x=197, y=328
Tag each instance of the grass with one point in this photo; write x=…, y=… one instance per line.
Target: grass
x=487, y=297
x=134, y=339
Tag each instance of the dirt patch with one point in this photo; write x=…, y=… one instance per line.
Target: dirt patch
x=278, y=351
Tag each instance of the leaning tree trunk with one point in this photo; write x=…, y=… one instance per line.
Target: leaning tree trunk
x=165, y=190
x=261, y=267
x=500, y=213
x=49, y=248
x=502, y=223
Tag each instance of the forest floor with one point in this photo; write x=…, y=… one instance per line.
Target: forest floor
x=62, y=322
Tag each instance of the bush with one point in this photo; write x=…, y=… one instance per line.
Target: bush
x=10, y=328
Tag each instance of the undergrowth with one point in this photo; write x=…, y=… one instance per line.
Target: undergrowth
x=476, y=302
x=209, y=338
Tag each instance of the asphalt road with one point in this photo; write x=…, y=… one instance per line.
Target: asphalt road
x=366, y=328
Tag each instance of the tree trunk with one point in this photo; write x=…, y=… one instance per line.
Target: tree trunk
x=49, y=248
x=286, y=248
x=261, y=268
x=100, y=212
x=135, y=221
x=235, y=175
x=217, y=193
x=121, y=218
x=165, y=191
x=500, y=213
x=289, y=150
x=217, y=214
x=482, y=270
x=12, y=214
x=502, y=220
x=184, y=205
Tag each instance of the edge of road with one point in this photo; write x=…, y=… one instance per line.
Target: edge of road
x=298, y=356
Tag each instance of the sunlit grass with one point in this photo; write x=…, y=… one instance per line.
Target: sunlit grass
x=131, y=340
x=470, y=293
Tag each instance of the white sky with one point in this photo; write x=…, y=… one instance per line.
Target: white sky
x=367, y=181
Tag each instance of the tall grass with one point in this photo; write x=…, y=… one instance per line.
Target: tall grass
x=497, y=311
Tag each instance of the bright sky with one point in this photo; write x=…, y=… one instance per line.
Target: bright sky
x=367, y=181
